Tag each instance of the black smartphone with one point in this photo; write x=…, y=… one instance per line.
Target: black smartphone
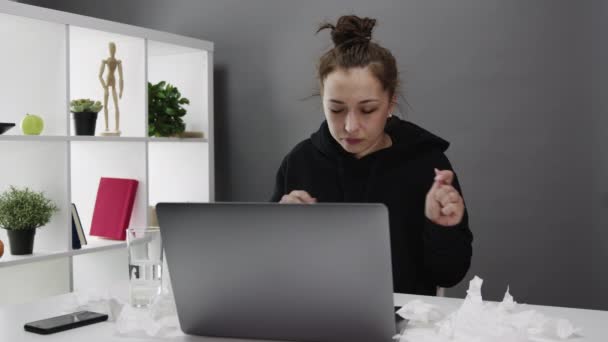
x=64, y=322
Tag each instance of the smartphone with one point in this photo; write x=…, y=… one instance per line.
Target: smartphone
x=64, y=322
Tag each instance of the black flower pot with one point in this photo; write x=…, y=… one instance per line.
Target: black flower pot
x=21, y=241
x=84, y=123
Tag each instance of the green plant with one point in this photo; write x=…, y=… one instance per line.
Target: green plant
x=85, y=106
x=165, y=110
x=25, y=209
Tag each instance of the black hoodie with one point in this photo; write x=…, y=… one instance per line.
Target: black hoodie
x=424, y=255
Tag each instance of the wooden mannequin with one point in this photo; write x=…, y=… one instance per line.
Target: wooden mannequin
x=110, y=83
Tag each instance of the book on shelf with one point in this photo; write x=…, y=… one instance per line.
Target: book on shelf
x=75, y=240
x=113, y=207
x=78, y=237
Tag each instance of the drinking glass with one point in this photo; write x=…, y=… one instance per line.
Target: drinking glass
x=145, y=265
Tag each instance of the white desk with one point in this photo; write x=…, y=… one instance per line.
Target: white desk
x=12, y=318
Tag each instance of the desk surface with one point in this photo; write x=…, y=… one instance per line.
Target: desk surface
x=12, y=317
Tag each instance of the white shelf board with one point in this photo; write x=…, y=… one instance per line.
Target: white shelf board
x=11, y=260
x=99, y=245
x=100, y=138
x=95, y=245
x=136, y=139
x=32, y=138
x=155, y=139
x=95, y=138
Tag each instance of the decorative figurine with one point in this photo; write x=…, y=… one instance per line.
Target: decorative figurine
x=110, y=83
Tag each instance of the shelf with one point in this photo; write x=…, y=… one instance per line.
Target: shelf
x=95, y=138
x=185, y=68
x=34, y=72
x=95, y=245
x=154, y=139
x=168, y=165
x=98, y=138
x=87, y=48
x=55, y=58
x=99, y=245
x=32, y=138
x=130, y=139
x=12, y=260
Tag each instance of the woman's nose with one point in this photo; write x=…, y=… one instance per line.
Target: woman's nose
x=352, y=122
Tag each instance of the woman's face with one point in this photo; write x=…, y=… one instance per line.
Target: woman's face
x=356, y=108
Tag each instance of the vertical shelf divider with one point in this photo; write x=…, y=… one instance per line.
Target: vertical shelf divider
x=210, y=127
x=68, y=172
x=146, y=141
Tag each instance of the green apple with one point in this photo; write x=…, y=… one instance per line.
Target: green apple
x=32, y=124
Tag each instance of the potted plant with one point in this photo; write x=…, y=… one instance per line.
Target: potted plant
x=165, y=111
x=85, y=115
x=21, y=212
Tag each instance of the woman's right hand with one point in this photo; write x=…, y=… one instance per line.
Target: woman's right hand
x=298, y=197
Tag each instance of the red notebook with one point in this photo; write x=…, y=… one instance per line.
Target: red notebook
x=113, y=207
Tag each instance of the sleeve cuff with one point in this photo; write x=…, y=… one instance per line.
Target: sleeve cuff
x=443, y=237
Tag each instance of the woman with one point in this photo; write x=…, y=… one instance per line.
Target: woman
x=361, y=153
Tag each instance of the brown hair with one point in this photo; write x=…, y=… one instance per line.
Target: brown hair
x=353, y=48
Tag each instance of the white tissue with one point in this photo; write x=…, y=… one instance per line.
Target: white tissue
x=508, y=303
x=157, y=320
x=419, y=311
x=562, y=328
x=481, y=322
x=104, y=301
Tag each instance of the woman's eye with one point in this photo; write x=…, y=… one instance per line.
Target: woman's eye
x=368, y=111
x=336, y=111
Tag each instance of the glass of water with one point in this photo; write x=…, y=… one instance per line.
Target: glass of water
x=145, y=265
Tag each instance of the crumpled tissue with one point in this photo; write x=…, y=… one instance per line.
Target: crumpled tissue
x=479, y=321
x=157, y=320
x=419, y=311
x=106, y=301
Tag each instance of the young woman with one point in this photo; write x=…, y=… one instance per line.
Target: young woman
x=362, y=153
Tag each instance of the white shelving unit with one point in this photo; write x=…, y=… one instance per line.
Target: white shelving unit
x=50, y=57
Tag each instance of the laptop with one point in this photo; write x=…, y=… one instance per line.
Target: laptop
x=289, y=272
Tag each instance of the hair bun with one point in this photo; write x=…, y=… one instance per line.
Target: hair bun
x=350, y=29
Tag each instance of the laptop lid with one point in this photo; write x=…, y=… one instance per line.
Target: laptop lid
x=283, y=272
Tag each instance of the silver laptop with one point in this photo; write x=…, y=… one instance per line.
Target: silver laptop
x=272, y=271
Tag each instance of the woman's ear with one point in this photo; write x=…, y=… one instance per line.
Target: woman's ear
x=392, y=106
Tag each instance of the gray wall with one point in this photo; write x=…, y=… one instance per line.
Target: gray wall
x=507, y=82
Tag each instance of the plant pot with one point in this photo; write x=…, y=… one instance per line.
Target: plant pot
x=21, y=241
x=84, y=123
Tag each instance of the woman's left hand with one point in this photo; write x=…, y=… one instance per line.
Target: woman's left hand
x=444, y=205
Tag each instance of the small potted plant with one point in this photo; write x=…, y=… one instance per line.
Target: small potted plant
x=85, y=112
x=165, y=110
x=21, y=212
